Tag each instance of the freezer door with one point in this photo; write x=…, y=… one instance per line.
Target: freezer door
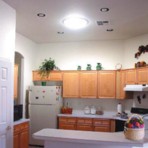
x=44, y=94
x=42, y=116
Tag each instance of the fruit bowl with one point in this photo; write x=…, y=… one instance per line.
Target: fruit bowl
x=134, y=128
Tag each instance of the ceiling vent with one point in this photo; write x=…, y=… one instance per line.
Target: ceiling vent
x=100, y=23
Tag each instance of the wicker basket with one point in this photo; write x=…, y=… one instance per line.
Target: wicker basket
x=134, y=133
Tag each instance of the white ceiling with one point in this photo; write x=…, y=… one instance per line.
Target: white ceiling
x=128, y=18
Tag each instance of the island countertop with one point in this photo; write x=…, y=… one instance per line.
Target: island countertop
x=86, y=138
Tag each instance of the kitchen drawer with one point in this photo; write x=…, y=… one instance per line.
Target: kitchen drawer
x=67, y=126
x=67, y=120
x=85, y=127
x=102, y=128
x=84, y=121
x=101, y=122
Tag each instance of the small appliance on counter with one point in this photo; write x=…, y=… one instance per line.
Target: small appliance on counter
x=18, y=112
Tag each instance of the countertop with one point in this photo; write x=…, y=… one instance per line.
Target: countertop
x=88, y=137
x=80, y=113
x=21, y=121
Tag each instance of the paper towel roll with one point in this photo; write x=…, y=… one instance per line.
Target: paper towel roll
x=119, y=108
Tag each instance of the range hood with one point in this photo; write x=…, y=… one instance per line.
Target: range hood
x=136, y=87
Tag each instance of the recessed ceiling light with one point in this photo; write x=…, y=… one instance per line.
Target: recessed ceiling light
x=110, y=30
x=75, y=22
x=104, y=9
x=60, y=32
x=41, y=15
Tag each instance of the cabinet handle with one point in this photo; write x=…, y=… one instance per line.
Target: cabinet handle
x=8, y=128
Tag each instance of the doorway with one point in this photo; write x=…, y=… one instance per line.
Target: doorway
x=19, y=78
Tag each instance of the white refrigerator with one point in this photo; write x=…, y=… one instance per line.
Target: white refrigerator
x=44, y=105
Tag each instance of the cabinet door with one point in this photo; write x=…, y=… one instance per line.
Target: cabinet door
x=67, y=123
x=84, y=124
x=102, y=125
x=131, y=76
x=122, y=85
x=88, y=84
x=101, y=129
x=106, y=84
x=55, y=76
x=24, y=139
x=85, y=127
x=67, y=126
x=71, y=84
x=15, y=81
x=37, y=77
x=142, y=75
x=16, y=140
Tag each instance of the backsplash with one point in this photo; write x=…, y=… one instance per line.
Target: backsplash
x=109, y=104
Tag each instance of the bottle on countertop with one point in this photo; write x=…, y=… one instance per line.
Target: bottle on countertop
x=119, y=108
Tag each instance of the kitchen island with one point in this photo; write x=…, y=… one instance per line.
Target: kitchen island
x=55, y=138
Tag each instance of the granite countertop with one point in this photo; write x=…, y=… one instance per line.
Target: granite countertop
x=21, y=121
x=89, y=137
x=80, y=113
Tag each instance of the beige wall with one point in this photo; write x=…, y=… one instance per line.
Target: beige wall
x=131, y=47
x=69, y=55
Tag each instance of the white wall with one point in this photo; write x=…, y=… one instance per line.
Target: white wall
x=68, y=56
x=131, y=47
x=7, y=31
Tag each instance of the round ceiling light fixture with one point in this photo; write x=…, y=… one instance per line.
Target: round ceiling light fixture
x=75, y=22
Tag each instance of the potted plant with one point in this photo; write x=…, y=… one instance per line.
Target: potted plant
x=46, y=67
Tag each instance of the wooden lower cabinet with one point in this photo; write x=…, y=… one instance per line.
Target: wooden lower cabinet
x=85, y=124
x=68, y=123
x=102, y=125
x=21, y=135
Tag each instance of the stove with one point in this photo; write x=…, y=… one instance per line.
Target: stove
x=142, y=112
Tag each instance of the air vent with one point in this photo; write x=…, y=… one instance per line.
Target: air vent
x=100, y=23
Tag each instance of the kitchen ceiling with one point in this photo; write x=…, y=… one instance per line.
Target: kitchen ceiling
x=128, y=18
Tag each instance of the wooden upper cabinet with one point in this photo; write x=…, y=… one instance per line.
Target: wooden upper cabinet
x=71, y=84
x=53, y=76
x=142, y=75
x=120, y=84
x=15, y=81
x=131, y=76
x=88, y=84
x=107, y=84
x=37, y=77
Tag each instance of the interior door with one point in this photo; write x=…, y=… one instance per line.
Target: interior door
x=5, y=104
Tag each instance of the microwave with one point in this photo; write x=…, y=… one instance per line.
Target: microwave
x=18, y=112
